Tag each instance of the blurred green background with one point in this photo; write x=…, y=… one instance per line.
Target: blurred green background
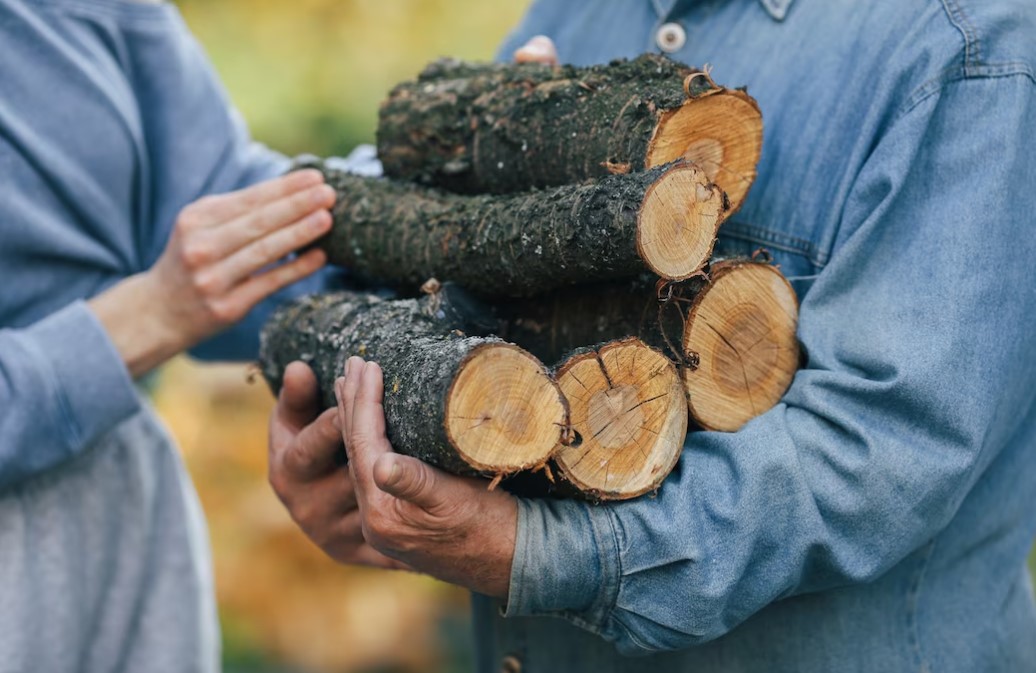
x=308, y=77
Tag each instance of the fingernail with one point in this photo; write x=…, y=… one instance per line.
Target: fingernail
x=395, y=473
x=345, y=370
x=339, y=385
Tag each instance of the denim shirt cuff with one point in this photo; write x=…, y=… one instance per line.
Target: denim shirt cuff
x=566, y=563
x=92, y=387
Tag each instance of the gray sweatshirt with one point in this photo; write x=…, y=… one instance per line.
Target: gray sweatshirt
x=111, y=121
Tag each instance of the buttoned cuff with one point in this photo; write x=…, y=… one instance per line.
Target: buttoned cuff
x=92, y=389
x=566, y=562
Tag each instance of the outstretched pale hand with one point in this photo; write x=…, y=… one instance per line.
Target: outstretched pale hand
x=218, y=264
x=449, y=527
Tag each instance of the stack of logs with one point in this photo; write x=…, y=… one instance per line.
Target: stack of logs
x=571, y=213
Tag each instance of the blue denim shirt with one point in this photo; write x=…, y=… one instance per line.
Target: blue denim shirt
x=878, y=519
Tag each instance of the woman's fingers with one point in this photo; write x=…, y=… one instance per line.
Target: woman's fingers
x=249, y=293
x=268, y=219
x=218, y=209
x=269, y=249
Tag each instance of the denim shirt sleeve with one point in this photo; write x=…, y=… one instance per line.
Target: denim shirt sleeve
x=921, y=357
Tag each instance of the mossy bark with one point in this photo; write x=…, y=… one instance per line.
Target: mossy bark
x=410, y=339
x=513, y=245
x=497, y=128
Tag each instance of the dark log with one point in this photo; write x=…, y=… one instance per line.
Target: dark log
x=470, y=405
x=663, y=220
x=498, y=128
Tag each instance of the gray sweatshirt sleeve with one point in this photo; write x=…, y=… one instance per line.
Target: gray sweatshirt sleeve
x=62, y=386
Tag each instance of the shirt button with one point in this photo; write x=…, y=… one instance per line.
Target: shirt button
x=511, y=664
x=671, y=37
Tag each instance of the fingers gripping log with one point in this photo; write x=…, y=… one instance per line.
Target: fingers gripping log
x=469, y=405
x=497, y=128
x=663, y=220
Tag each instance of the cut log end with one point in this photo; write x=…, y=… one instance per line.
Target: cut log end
x=742, y=328
x=722, y=133
x=629, y=412
x=504, y=413
x=678, y=220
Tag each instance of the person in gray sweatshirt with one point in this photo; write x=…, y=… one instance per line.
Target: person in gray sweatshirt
x=137, y=220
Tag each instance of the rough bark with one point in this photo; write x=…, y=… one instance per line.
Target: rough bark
x=663, y=220
x=481, y=128
x=437, y=381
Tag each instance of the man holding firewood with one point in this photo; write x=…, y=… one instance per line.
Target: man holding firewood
x=879, y=517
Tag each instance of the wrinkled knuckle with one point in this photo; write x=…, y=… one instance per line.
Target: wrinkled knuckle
x=212, y=308
x=280, y=486
x=400, y=547
x=321, y=537
x=205, y=284
x=379, y=531
x=190, y=218
x=305, y=514
x=420, y=482
x=195, y=253
x=372, y=537
x=300, y=462
x=221, y=311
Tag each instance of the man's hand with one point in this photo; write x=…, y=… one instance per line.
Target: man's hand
x=539, y=49
x=307, y=476
x=449, y=527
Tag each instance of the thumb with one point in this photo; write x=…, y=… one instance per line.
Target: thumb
x=408, y=479
x=299, y=400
